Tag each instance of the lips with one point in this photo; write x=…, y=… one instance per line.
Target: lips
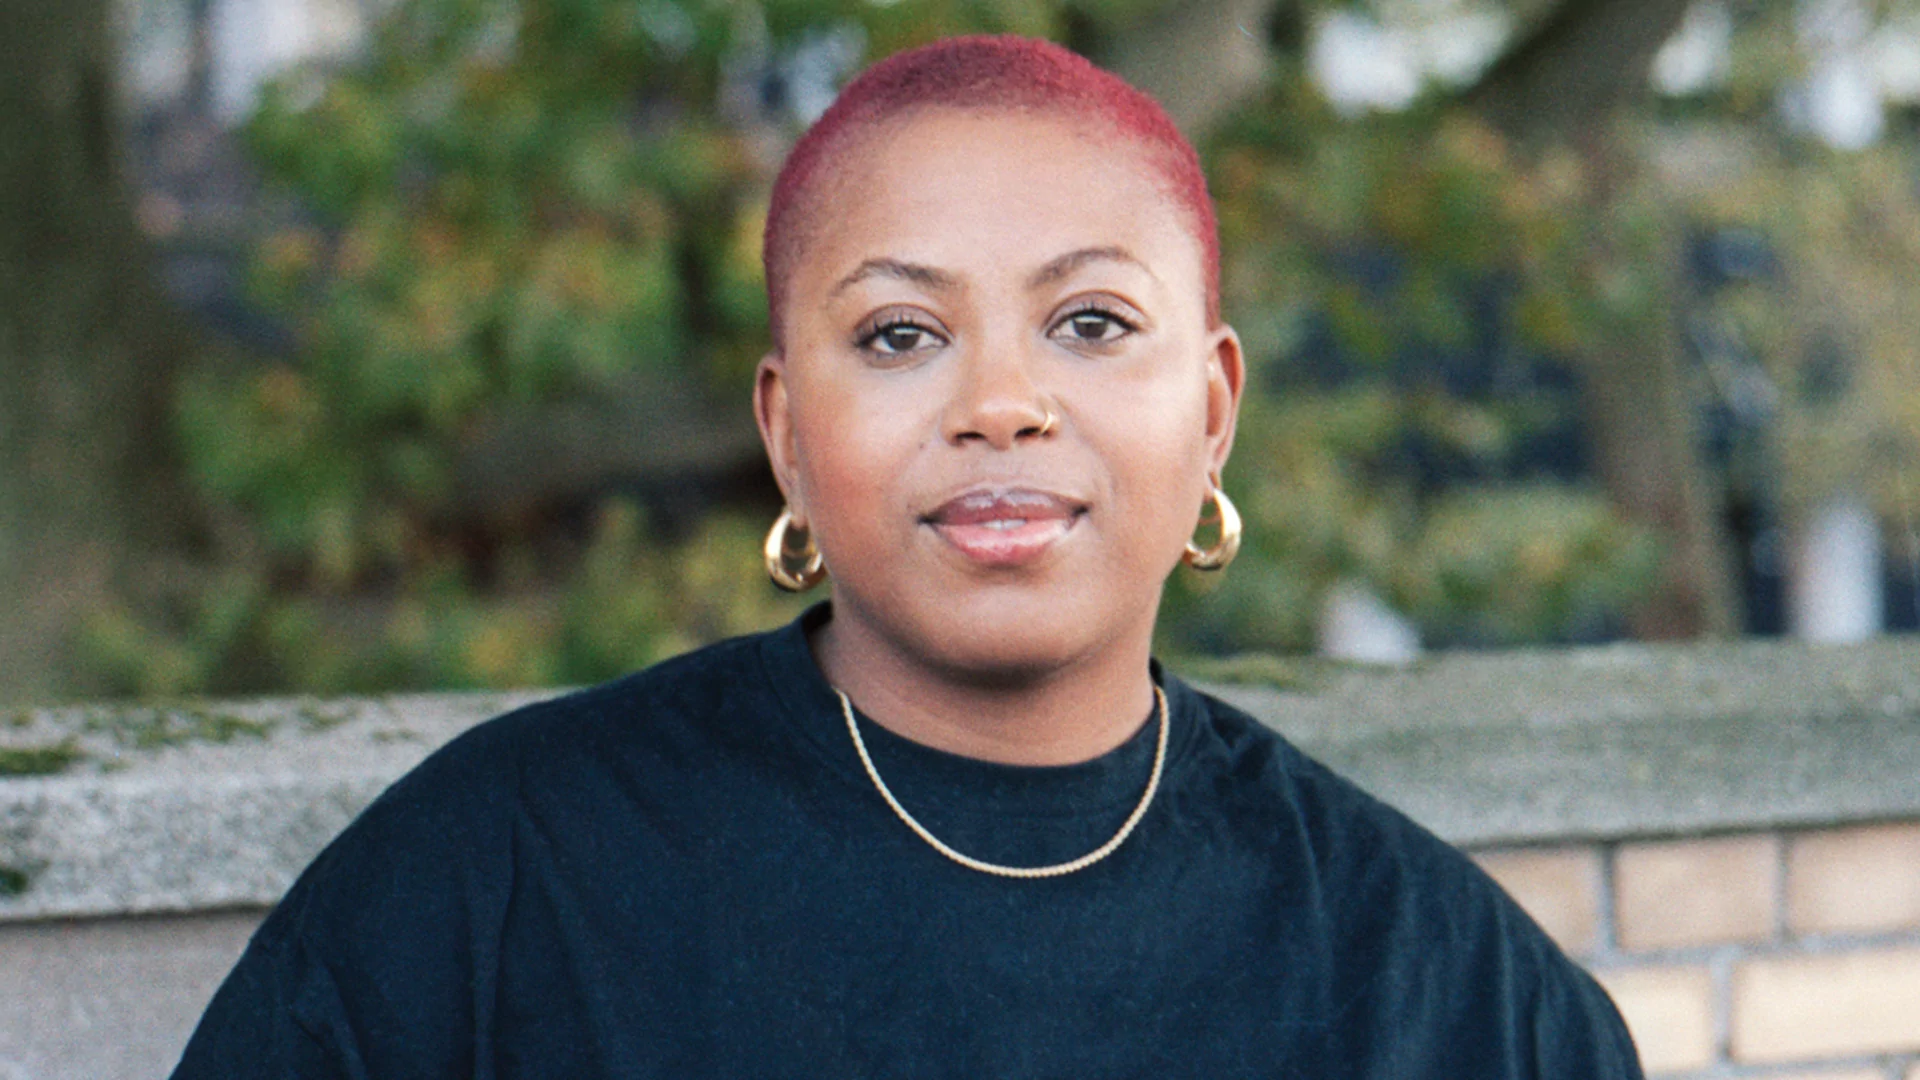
x=1005, y=527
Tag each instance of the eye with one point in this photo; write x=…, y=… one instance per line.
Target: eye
x=1093, y=325
x=896, y=336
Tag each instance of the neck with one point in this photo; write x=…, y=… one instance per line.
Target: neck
x=1061, y=715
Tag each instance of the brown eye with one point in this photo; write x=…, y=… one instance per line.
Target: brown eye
x=897, y=337
x=1093, y=326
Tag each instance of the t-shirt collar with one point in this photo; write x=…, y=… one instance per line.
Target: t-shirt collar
x=921, y=773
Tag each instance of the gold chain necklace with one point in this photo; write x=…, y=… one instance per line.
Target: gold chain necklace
x=971, y=863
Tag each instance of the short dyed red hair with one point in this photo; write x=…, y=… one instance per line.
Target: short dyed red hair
x=986, y=72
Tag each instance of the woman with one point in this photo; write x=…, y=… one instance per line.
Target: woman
x=953, y=822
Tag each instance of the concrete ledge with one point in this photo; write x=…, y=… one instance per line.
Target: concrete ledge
x=1620, y=741
x=206, y=807
x=200, y=807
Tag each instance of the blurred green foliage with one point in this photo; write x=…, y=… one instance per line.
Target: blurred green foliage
x=1407, y=244
x=509, y=204
x=626, y=602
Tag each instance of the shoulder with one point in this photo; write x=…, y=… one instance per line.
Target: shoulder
x=444, y=829
x=1348, y=830
x=396, y=923
x=669, y=700
x=1381, y=869
x=1422, y=947
x=693, y=686
x=1355, y=839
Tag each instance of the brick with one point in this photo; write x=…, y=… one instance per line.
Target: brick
x=1559, y=887
x=1679, y=893
x=1854, y=880
x=1669, y=1010
x=1827, y=1005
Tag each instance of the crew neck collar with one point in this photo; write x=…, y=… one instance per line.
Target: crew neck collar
x=923, y=774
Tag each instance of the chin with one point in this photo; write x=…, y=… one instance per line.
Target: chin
x=1003, y=661
x=1005, y=640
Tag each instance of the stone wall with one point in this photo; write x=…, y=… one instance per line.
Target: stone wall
x=1729, y=836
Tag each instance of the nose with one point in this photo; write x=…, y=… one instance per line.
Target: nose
x=996, y=401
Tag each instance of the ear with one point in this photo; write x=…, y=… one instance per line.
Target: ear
x=1226, y=377
x=772, y=410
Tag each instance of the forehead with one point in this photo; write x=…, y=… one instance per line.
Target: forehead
x=986, y=189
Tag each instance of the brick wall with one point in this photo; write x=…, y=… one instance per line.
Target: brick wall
x=1793, y=955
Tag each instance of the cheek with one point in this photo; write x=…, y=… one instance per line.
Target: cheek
x=851, y=452
x=1171, y=485
x=1163, y=403
x=1155, y=451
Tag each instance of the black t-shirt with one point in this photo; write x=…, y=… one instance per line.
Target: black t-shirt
x=686, y=873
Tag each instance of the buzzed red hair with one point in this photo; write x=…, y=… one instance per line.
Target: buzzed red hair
x=975, y=72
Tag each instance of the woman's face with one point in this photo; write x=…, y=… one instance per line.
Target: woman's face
x=968, y=275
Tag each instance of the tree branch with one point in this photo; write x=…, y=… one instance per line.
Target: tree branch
x=1576, y=65
x=1198, y=58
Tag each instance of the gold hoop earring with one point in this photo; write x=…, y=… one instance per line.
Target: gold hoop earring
x=1047, y=425
x=1224, y=549
x=777, y=552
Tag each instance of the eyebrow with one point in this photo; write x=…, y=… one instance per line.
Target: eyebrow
x=927, y=276
x=941, y=281
x=1074, y=260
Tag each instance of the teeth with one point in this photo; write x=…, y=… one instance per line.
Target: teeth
x=1006, y=524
